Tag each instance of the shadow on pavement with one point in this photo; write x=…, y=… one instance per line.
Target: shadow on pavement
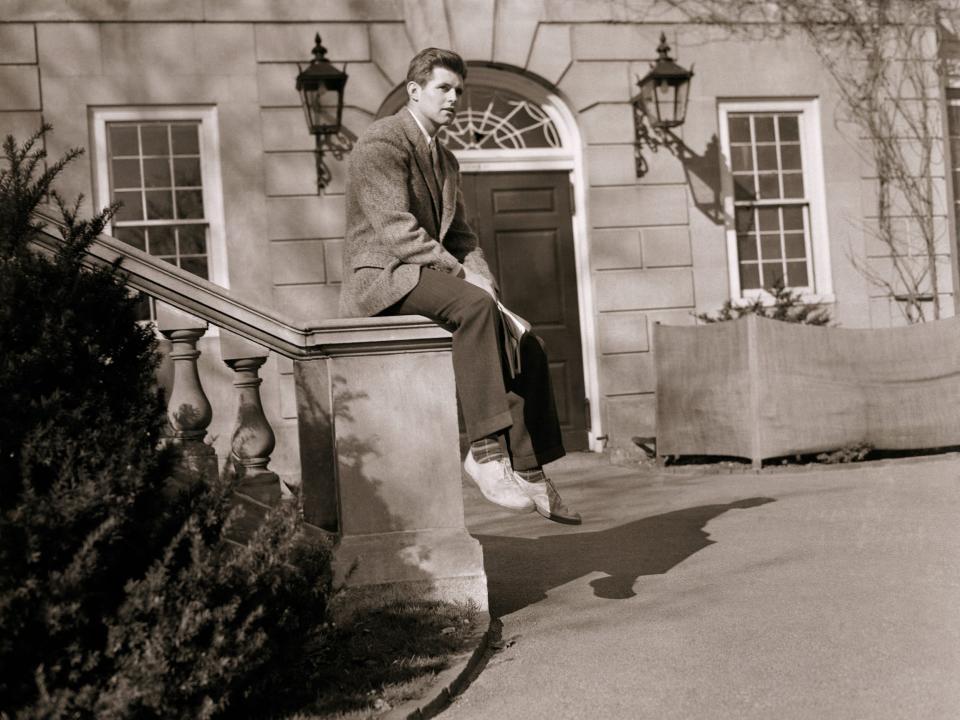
x=521, y=571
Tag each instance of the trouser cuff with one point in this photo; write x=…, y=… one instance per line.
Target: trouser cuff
x=535, y=460
x=490, y=426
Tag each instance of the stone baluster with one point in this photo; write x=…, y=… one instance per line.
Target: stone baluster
x=188, y=409
x=253, y=439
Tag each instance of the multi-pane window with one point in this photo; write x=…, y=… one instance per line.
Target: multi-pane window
x=155, y=172
x=771, y=207
x=774, y=198
x=163, y=165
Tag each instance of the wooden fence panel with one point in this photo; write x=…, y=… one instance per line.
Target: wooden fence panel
x=703, y=390
x=759, y=388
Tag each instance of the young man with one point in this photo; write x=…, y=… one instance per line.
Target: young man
x=409, y=251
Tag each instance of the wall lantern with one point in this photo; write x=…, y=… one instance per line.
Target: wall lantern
x=321, y=93
x=664, y=91
x=661, y=105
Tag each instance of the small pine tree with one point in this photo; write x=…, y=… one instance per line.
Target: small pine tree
x=120, y=596
x=787, y=306
x=79, y=473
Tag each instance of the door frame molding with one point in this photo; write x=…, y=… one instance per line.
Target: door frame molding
x=569, y=157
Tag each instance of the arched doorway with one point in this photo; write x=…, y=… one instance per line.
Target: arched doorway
x=519, y=153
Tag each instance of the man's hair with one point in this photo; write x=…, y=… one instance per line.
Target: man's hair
x=423, y=63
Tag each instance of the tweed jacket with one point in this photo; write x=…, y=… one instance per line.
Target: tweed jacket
x=398, y=220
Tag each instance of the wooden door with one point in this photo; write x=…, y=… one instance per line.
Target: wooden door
x=525, y=228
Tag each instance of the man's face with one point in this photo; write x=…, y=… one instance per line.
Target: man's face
x=437, y=100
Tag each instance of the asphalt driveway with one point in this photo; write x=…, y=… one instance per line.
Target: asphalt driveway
x=817, y=594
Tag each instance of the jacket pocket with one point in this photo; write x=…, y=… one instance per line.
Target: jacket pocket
x=372, y=259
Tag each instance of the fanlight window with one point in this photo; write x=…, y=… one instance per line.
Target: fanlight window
x=497, y=119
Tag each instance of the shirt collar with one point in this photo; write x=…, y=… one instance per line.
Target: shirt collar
x=420, y=125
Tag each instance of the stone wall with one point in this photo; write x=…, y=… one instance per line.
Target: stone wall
x=20, y=79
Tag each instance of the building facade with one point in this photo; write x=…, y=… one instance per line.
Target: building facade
x=189, y=114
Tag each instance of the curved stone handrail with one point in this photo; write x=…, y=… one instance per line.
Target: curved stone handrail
x=220, y=307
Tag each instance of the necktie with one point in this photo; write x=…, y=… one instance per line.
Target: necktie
x=437, y=168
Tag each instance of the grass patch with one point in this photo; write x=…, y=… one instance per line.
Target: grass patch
x=382, y=657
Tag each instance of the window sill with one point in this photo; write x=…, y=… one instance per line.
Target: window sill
x=808, y=298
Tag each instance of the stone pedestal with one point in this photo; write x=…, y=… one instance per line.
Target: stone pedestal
x=379, y=445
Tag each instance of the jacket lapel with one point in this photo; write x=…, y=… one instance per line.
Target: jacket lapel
x=421, y=154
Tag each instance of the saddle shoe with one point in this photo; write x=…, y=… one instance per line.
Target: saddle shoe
x=496, y=481
x=547, y=501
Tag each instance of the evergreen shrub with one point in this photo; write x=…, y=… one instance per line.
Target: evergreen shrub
x=121, y=595
x=787, y=306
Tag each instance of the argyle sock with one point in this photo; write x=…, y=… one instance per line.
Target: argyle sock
x=486, y=449
x=534, y=475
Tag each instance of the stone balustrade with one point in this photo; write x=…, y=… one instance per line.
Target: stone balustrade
x=377, y=428
x=379, y=451
x=189, y=411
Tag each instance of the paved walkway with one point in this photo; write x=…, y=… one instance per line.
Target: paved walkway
x=812, y=594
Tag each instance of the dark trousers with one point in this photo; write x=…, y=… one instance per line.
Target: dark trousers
x=490, y=399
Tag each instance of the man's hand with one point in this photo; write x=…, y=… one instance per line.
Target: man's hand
x=475, y=278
